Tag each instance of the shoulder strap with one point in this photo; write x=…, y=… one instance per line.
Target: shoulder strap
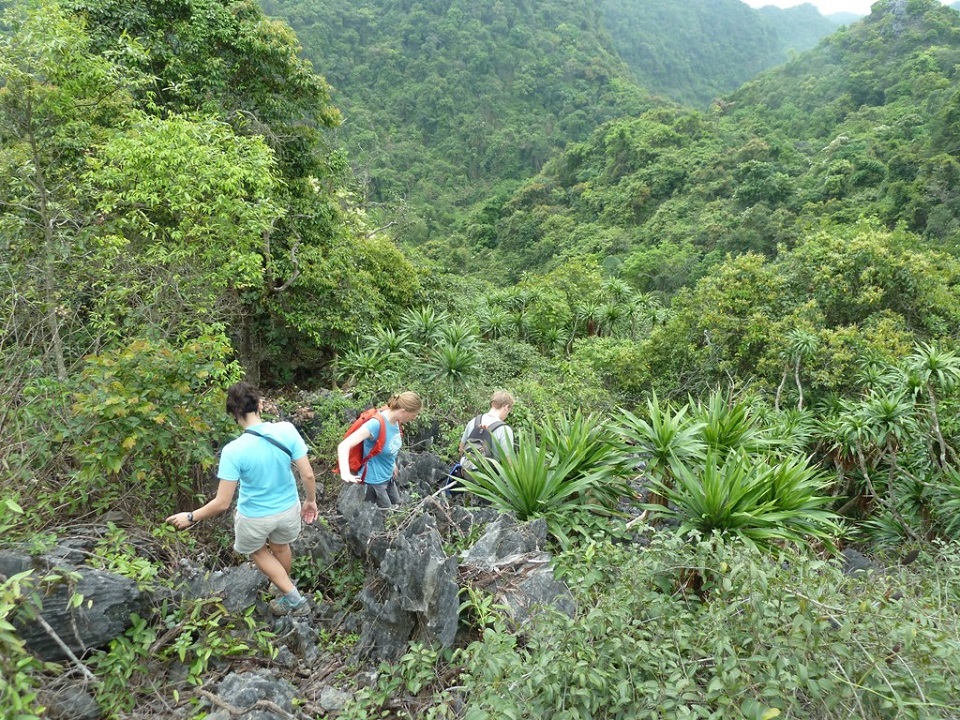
x=380, y=439
x=270, y=440
x=495, y=425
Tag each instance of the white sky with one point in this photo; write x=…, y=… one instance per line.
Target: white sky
x=826, y=7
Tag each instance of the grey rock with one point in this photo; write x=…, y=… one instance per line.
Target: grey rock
x=855, y=562
x=104, y=614
x=506, y=538
x=362, y=525
x=319, y=541
x=237, y=587
x=334, y=700
x=70, y=702
x=243, y=690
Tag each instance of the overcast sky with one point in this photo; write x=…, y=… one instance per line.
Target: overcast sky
x=826, y=7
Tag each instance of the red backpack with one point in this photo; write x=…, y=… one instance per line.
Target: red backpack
x=358, y=461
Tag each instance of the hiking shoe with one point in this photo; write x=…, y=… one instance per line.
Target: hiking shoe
x=273, y=591
x=282, y=606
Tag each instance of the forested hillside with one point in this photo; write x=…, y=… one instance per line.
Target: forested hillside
x=443, y=100
x=695, y=51
x=861, y=126
x=729, y=328
x=447, y=101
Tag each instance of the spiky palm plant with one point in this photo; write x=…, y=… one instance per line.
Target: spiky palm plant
x=387, y=340
x=422, y=324
x=461, y=333
x=744, y=496
x=593, y=447
x=361, y=362
x=801, y=346
x=552, y=340
x=493, y=322
x=454, y=364
x=937, y=371
x=669, y=439
x=729, y=425
x=532, y=483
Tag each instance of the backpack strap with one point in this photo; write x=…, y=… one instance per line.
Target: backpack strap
x=275, y=443
x=495, y=425
x=378, y=443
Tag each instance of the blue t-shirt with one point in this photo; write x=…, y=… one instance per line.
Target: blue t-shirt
x=267, y=484
x=380, y=467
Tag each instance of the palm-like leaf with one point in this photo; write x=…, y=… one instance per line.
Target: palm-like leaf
x=745, y=497
x=593, y=449
x=454, y=364
x=461, y=333
x=729, y=425
x=552, y=339
x=422, y=324
x=532, y=483
x=388, y=340
x=935, y=365
x=668, y=439
x=493, y=322
x=361, y=362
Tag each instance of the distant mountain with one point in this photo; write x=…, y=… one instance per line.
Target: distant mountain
x=695, y=50
x=442, y=99
x=865, y=125
x=843, y=18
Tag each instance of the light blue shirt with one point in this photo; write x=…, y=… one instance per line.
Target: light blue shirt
x=267, y=484
x=380, y=467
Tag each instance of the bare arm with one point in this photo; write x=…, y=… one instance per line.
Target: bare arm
x=222, y=500
x=343, y=453
x=309, y=510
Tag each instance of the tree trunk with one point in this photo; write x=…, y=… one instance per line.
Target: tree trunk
x=51, y=306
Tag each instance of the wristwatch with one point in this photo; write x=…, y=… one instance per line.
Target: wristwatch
x=190, y=518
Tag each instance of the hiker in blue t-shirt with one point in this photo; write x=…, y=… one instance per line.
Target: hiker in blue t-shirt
x=381, y=469
x=268, y=511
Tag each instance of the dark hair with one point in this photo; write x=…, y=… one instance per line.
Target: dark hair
x=242, y=398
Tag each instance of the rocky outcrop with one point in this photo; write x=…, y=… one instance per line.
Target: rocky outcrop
x=63, y=624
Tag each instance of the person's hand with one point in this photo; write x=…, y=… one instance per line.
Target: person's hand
x=309, y=512
x=351, y=478
x=180, y=520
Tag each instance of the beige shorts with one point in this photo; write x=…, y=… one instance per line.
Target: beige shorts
x=251, y=534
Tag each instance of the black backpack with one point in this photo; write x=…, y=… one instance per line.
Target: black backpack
x=480, y=439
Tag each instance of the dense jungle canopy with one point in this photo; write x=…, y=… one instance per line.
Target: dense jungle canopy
x=713, y=248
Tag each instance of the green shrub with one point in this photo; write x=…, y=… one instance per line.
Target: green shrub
x=138, y=427
x=752, y=498
x=19, y=670
x=575, y=467
x=716, y=629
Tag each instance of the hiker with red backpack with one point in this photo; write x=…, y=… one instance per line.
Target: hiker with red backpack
x=368, y=453
x=487, y=434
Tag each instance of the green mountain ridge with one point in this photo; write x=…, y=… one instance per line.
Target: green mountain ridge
x=864, y=125
x=694, y=51
x=444, y=100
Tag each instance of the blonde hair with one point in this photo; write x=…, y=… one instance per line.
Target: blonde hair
x=501, y=398
x=406, y=400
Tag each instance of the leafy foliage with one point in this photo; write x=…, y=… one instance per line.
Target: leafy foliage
x=576, y=466
x=692, y=629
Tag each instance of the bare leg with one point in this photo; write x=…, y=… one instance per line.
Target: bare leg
x=283, y=553
x=268, y=563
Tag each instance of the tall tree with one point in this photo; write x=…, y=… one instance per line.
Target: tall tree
x=58, y=99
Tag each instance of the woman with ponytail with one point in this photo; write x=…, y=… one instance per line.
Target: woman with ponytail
x=381, y=469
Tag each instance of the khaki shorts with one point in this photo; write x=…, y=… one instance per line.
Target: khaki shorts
x=251, y=534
